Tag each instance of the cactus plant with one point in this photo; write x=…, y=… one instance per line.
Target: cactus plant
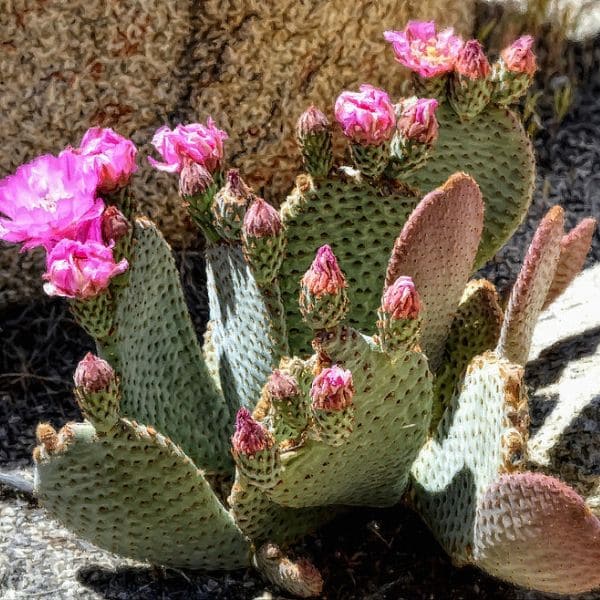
x=345, y=341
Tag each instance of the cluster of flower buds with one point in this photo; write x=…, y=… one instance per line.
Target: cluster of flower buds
x=437, y=58
x=53, y=202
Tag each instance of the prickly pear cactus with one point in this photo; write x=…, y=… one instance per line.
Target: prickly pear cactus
x=348, y=359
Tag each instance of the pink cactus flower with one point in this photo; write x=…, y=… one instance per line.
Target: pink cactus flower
x=80, y=270
x=201, y=143
x=519, y=57
x=262, y=220
x=423, y=50
x=93, y=374
x=332, y=389
x=110, y=155
x=401, y=299
x=281, y=385
x=417, y=121
x=367, y=117
x=250, y=436
x=324, y=275
x=472, y=61
x=47, y=200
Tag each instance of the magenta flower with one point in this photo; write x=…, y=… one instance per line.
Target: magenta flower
x=80, y=270
x=472, y=61
x=324, y=275
x=423, y=50
x=47, y=200
x=332, y=389
x=262, y=220
x=250, y=436
x=367, y=117
x=401, y=299
x=417, y=121
x=519, y=57
x=201, y=143
x=110, y=155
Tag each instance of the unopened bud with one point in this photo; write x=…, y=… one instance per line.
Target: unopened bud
x=93, y=374
x=324, y=275
x=472, y=61
x=519, y=56
x=418, y=122
x=262, y=220
x=401, y=299
x=250, y=436
x=114, y=225
x=332, y=389
x=282, y=386
x=311, y=121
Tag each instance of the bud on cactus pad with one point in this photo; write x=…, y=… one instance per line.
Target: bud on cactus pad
x=401, y=300
x=262, y=220
x=194, y=180
x=332, y=389
x=230, y=205
x=281, y=385
x=323, y=297
x=472, y=61
x=250, y=436
x=114, y=225
x=93, y=374
x=314, y=138
x=514, y=71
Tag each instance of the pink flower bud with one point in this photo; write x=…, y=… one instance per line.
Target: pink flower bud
x=332, y=389
x=417, y=121
x=114, y=225
x=250, y=436
x=202, y=144
x=367, y=117
x=80, y=270
x=47, y=200
x=194, y=179
x=519, y=57
x=324, y=275
x=401, y=299
x=110, y=155
x=262, y=220
x=312, y=120
x=93, y=374
x=423, y=50
x=281, y=385
x=472, y=61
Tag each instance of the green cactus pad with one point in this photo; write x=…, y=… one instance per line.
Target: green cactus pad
x=437, y=248
x=535, y=531
x=95, y=314
x=475, y=329
x=135, y=493
x=360, y=222
x=481, y=436
x=494, y=149
x=247, y=332
x=531, y=288
x=164, y=380
x=392, y=404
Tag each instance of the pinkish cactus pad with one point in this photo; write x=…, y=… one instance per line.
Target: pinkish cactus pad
x=281, y=385
x=324, y=275
x=110, y=155
x=201, y=143
x=332, y=389
x=417, y=121
x=250, y=436
x=423, y=50
x=80, y=270
x=93, y=374
x=47, y=200
x=114, y=225
x=367, y=117
x=519, y=56
x=401, y=299
x=312, y=120
x=472, y=62
x=262, y=220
